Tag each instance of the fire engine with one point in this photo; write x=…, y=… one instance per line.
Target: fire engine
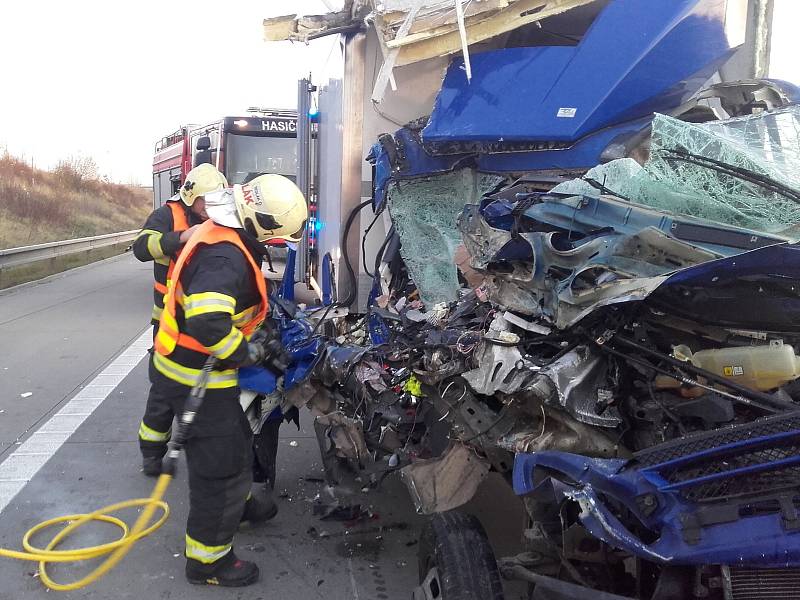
x=242, y=148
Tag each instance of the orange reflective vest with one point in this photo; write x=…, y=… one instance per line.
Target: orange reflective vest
x=169, y=336
x=179, y=223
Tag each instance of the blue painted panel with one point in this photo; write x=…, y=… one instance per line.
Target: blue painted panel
x=600, y=485
x=257, y=379
x=638, y=57
x=585, y=153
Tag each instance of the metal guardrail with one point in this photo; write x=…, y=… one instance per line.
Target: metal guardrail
x=14, y=257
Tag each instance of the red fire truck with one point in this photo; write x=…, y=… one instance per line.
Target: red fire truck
x=242, y=148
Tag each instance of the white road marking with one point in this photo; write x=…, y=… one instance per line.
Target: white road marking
x=22, y=464
x=352, y=578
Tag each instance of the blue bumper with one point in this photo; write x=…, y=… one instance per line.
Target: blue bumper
x=725, y=497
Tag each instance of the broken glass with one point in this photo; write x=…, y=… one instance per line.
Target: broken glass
x=743, y=172
x=424, y=213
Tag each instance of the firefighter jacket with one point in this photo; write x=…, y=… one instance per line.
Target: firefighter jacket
x=159, y=241
x=215, y=300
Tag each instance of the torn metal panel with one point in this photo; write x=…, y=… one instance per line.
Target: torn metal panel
x=566, y=280
x=502, y=369
x=576, y=382
x=345, y=434
x=444, y=483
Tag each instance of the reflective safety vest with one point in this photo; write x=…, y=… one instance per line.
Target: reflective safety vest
x=179, y=223
x=169, y=336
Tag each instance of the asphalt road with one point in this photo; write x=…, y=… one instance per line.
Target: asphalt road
x=61, y=341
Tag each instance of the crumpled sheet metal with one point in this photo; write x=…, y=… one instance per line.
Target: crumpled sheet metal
x=501, y=369
x=482, y=241
x=441, y=484
x=576, y=377
x=346, y=434
x=555, y=430
x=565, y=284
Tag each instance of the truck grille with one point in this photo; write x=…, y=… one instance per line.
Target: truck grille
x=765, y=584
x=743, y=460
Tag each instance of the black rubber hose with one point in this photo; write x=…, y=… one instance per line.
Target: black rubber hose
x=731, y=385
x=351, y=293
x=382, y=250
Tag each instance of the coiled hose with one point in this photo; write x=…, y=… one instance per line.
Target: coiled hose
x=143, y=527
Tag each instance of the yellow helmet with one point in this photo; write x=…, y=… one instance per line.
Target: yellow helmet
x=271, y=207
x=200, y=181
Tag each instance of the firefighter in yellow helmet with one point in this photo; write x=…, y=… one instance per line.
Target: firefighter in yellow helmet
x=165, y=232
x=215, y=304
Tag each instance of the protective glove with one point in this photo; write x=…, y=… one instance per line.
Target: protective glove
x=275, y=357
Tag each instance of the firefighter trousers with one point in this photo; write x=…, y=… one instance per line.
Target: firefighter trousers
x=156, y=426
x=265, y=453
x=219, y=456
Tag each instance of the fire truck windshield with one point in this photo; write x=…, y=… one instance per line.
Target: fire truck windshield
x=248, y=156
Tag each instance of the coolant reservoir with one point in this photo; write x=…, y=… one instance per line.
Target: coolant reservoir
x=757, y=367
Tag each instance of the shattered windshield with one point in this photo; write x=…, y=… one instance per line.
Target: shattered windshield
x=743, y=172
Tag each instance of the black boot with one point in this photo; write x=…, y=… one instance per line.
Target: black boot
x=151, y=466
x=228, y=571
x=258, y=510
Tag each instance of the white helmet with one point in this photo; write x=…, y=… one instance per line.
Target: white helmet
x=200, y=181
x=271, y=207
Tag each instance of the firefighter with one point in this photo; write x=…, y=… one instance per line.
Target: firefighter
x=215, y=302
x=165, y=232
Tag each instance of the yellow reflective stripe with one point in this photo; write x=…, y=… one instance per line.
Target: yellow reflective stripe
x=225, y=347
x=207, y=302
x=246, y=315
x=169, y=319
x=156, y=314
x=205, y=308
x=205, y=554
x=164, y=260
x=187, y=376
x=148, y=434
x=153, y=242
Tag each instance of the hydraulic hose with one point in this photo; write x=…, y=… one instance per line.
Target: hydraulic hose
x=143, y=527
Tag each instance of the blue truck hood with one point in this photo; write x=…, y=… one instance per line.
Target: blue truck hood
x=638, y=57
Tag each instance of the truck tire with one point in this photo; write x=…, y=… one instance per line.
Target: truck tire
x=456, y=561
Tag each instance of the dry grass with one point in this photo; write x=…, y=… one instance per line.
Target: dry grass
x=44, y=206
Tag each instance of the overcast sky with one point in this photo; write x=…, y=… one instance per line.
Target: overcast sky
x=108, y=79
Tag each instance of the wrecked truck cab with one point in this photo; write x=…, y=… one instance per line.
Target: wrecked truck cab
x=628, y=362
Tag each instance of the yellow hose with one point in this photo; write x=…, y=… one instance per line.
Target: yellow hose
x=117, y=549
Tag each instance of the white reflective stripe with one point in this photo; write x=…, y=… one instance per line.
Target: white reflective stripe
x=156, y=314
x=226, y=346
x=188, y=376
x=208, y=298
x=205, y=307
x=205, y=554
x=246, y=315
x=148, y=434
